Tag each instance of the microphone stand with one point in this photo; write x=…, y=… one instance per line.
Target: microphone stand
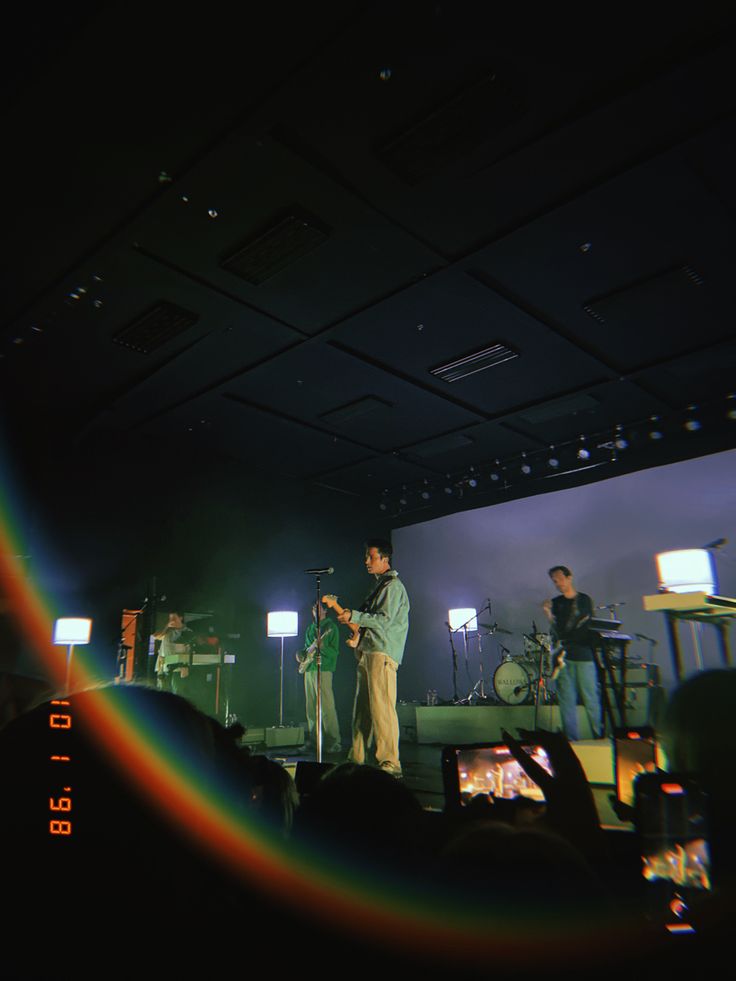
x=455, y=699
x=474, y=692
x=318, y=662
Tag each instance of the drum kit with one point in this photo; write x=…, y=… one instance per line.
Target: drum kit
x=518, y=677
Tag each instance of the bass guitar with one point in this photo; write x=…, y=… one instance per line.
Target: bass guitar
x=355, y=631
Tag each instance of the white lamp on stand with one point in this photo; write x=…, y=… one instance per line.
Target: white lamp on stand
x=69, y=631
x=282, y=623
x=466, y=619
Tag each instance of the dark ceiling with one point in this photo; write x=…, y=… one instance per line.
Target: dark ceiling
x=258, y=236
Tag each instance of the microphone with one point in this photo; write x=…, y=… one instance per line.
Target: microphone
x=322, y=571
x=611, y=606
x=651, y=640
x=718, y=543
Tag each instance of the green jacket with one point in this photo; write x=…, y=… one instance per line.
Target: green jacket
x=385, y=617
x=330, y=643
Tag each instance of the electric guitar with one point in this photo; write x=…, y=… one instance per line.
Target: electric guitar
x=558, y=653
x=355, y=631
x=308, y=656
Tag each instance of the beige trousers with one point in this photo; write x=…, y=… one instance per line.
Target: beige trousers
x=330, y=725
x=374, y=710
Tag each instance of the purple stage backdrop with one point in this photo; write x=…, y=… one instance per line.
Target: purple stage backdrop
x=607, y=533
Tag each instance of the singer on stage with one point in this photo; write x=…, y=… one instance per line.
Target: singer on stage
x=569, y=614
x=384, y=622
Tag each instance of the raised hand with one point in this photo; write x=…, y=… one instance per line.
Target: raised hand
x=571, y=809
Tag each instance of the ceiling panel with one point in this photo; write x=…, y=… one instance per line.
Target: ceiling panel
x=80, y=330
x=452, y=314
x=631, y=231
x=272, y=445
x=369, y=478
x=343, y=394
x=240, y=190
x=485, y=442
x=600, y=408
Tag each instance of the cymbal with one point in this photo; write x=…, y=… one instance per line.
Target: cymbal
x=495, y=628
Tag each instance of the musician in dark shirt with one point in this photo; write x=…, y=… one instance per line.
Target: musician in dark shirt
x=569, y=613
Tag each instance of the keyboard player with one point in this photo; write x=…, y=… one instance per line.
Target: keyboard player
x=174, y=656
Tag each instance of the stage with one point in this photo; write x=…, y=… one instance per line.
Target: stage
x=426, y=729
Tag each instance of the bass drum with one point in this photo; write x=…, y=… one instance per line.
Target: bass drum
x=513, y=681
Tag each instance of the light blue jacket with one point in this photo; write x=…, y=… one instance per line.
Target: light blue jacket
x=384, y=617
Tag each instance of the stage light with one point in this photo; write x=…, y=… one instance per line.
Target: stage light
x=447, y=489
x=472, y=482
x=583, y=454
x=692, y=425
x=72, y=630
x=282, y=623
x=69, y=631
x=526, y=469
x=212, y=213
x=688, y=570
x=426, y=495
x=466, y=618
x=553, y=461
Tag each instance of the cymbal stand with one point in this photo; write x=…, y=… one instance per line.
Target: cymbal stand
x=478, y=689
x=454, y=664
x=541, y=689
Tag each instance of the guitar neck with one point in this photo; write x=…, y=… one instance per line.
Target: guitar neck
x=333, y=604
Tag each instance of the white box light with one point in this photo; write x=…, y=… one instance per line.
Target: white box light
x=282, y=623
x=687, y=570
x=458, y=618
x=72, y=630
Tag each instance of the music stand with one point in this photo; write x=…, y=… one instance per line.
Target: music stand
x=282, y=623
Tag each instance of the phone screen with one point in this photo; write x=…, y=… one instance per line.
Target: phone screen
x=635, y=751
x=491, y=769
x=671, y=821
x=672, y=825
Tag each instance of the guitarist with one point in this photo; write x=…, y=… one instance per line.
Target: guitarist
x=384, y=622
x=569, y=613
x=330, y=648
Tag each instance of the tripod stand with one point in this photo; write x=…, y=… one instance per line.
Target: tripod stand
x=470, y=624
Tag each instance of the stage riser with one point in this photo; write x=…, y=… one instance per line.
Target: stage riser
x=450, y=724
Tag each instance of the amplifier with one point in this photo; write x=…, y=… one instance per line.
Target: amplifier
x=636, y=674
x=284, y=736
